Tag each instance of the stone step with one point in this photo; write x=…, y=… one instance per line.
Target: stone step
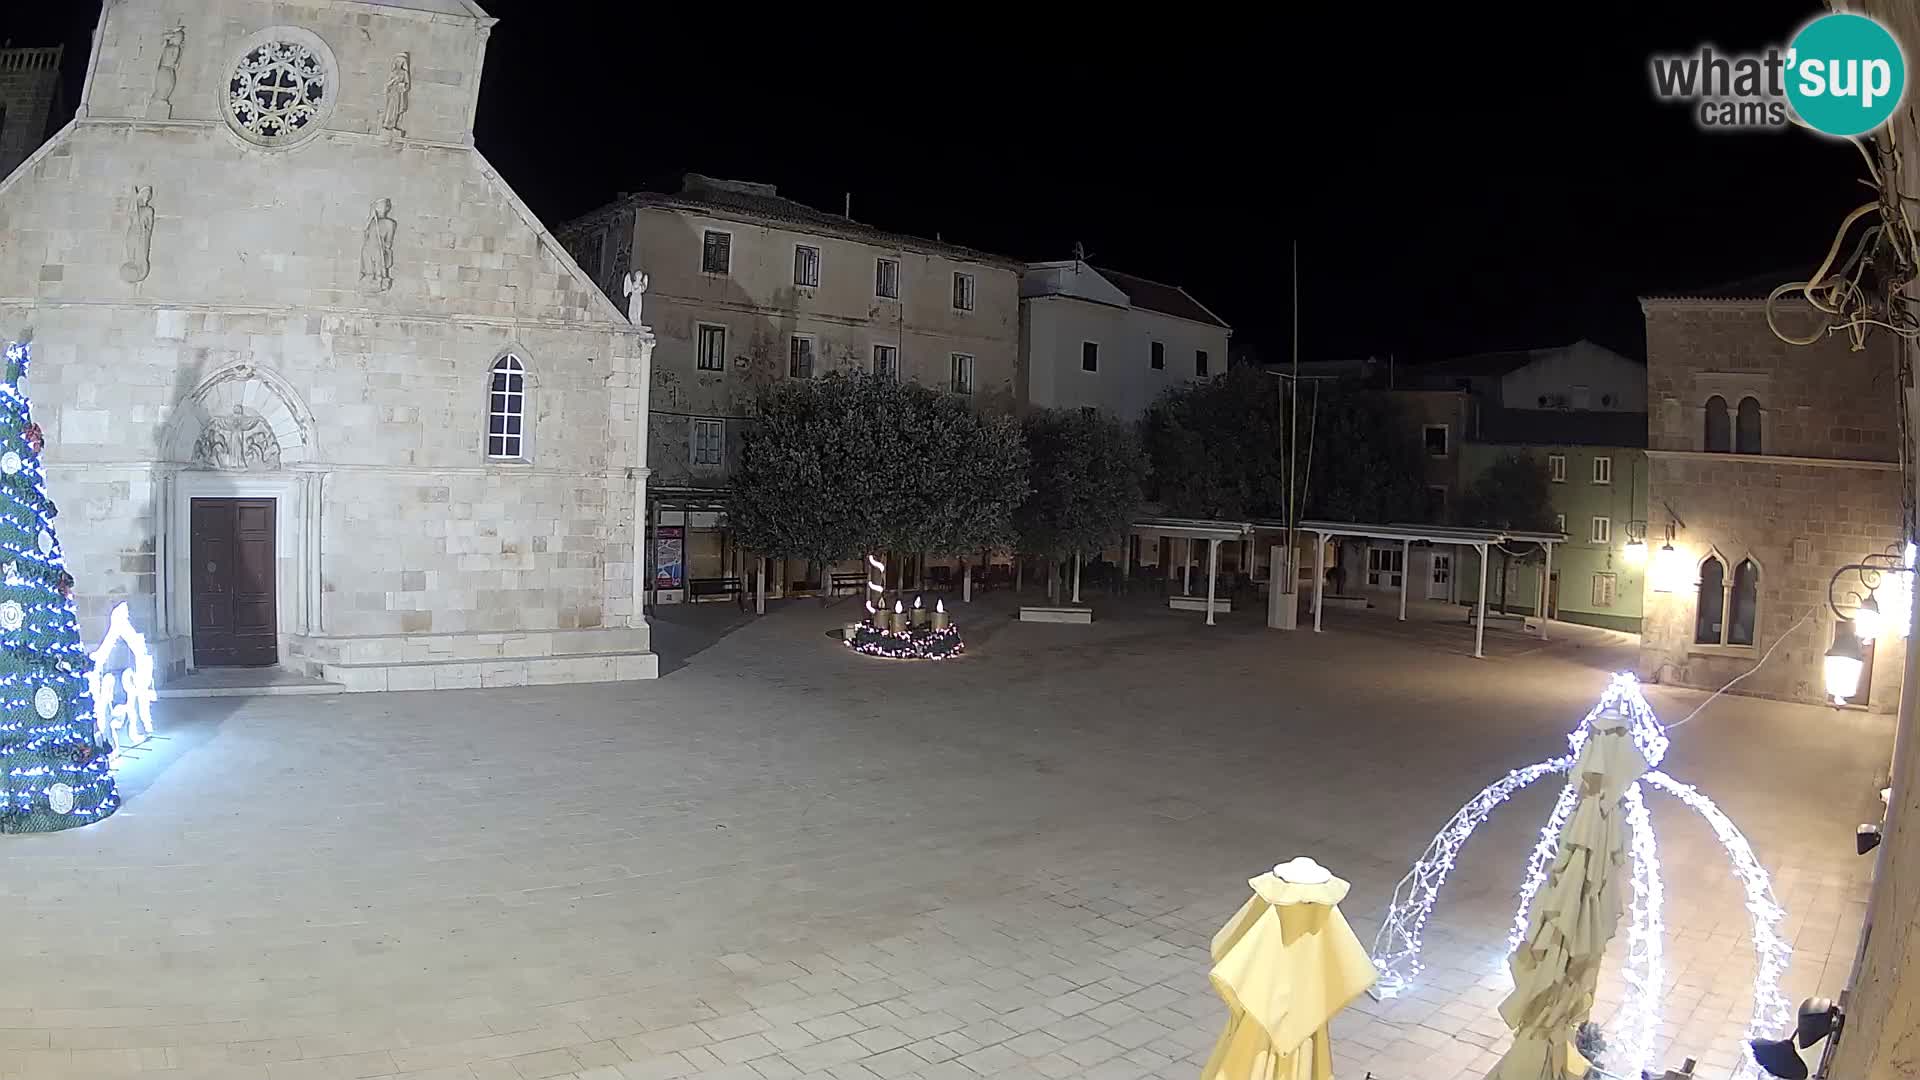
x=396, y=649
x=520, y=671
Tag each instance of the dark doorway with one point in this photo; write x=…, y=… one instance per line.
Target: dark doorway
x=233, y=583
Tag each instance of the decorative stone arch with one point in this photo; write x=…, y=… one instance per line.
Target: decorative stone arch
x=241, y=419
x=242, y=433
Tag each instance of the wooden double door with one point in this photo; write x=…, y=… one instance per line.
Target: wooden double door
x=234, y=602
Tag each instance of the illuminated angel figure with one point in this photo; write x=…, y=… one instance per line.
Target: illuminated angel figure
x=130, y=721
x=1396, y=951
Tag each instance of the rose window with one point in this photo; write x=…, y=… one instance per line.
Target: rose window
x=278, y=92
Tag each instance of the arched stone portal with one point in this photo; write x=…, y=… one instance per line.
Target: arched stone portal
x=243, y=437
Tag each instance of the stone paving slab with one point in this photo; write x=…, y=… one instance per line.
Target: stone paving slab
x=785, y=861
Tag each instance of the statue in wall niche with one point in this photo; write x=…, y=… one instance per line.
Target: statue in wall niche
x=634, y=288
x=139, y=237
x=167, y=75
x=399, y=82
x=376, y=248
x=237, y=443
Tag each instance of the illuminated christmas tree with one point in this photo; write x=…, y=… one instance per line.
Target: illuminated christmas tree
x=53, y=771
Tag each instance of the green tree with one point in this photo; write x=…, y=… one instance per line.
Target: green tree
x=1083, y=476
x=850, y=462
x=1512, y=493
x=1219, y=449
x=53, y=772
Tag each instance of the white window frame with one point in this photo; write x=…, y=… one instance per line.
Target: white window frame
x=717, y=427
x=1603, y=469
x=813, y=355
x=893, y=356
x=797, y=279
x=704, y=233
x=962, y=278
x=962, y=372
x=1600, y=531
x=878, y=262
x=1560, y=524
x=1606, y=589
x=1557, y=468
x=512, y=446
x=1095, y=369
x=700, y=347
x=1386, y=566
x=1446, y=440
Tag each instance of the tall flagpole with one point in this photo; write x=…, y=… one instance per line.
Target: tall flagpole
x=1293, y=431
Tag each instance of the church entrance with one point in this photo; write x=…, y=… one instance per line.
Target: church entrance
x=235, y=619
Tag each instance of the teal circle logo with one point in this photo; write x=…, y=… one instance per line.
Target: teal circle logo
x=1845, y=74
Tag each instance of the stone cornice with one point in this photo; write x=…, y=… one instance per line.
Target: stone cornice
x=620, y=329
x=1778, y=459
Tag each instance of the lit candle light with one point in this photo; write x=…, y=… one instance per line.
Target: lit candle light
x=940, y=618
x=899, y=616
x=920, y=612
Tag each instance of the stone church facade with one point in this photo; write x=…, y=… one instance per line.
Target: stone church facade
x=318, y=389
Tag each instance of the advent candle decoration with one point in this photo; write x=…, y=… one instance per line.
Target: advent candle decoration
x=902, y=635
x=940, y=620
x=919, y=613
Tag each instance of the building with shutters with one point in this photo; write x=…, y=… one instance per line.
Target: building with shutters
x=747, y=288
x=319, y=391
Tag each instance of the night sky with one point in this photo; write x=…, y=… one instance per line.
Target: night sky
x=1461, y=180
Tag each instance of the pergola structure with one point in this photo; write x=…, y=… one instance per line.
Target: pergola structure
x=1478, y=539
x=1191, y=529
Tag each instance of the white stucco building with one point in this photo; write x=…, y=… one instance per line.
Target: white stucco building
x=318, y=389
x=1096, y=338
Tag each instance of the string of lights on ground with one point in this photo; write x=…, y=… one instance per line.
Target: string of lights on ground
x=901, y=634
x=1396, y=951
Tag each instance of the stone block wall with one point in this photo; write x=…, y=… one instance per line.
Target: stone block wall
x=1799, y=523
x=29, y=92
x=394, y=521
x=1823, y=400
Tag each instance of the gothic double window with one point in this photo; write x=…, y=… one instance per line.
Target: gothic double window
x=1736, y=431
x=1728, y=607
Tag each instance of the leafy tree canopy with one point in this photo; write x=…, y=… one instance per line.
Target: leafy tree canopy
x=1084, y=474
x=851, y=462
x=1219, y=449
x=1512, y=493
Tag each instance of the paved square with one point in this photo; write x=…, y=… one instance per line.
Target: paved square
x=783, y=860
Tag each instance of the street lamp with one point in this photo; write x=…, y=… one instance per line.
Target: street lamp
x=1882, y=606
x=1670, y=570
x=1844, y=663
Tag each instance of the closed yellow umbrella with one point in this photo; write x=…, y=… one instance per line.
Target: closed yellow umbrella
x=1285, y=964
x=1556, y=968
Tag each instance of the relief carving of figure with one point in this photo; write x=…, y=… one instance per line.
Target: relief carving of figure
x=167, y=75
x=399, y=83
x=376, y=248
x=139, y=237
x=237, y=443
x=634, y=288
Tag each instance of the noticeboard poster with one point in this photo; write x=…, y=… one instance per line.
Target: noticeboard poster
x=669, y=556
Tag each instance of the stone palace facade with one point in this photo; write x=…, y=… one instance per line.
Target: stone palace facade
x=318, y=389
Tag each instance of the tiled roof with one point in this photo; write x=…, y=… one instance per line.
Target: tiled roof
x=1752, y=287
x=1562, y=427
x=762, y=203
x=1165, y=299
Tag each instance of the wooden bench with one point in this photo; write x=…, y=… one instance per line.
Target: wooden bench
x=714, y=586
x=1067, y=614
x=846, y=581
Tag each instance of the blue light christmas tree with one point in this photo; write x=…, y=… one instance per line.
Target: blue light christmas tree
x=53, y=772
